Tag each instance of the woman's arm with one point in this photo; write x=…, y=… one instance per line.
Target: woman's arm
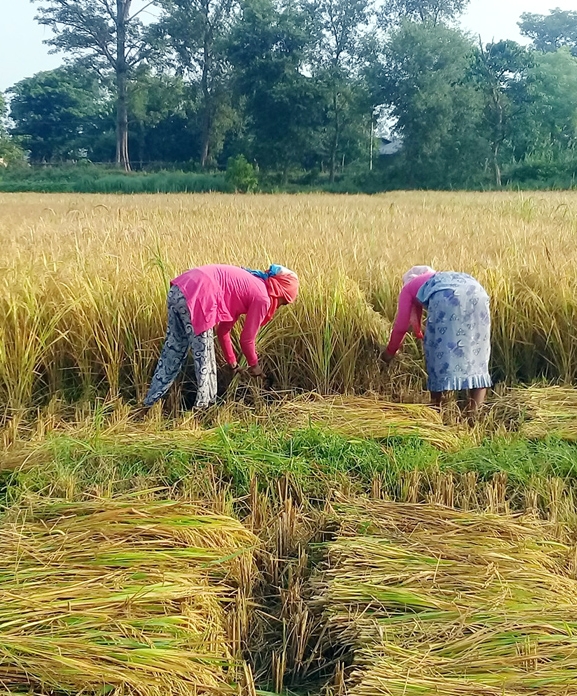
x=408, y=313
x=254, y=318
x=223, y=334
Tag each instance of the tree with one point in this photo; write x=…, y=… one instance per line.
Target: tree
x=552, y=89
x=197, y=31
x=3, y=113
x=501, y=70
x=162, y=115
x=339, y=26
x=108, y=35
x=282, y=106
x=10, y=151
x=551, y=32
x=58, y=113
x=425, y=78
x=434, y=11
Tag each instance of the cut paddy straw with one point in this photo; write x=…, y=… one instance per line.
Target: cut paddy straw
x=121, y=597
x=434, y=601
x=374, y=418
x=546, y=411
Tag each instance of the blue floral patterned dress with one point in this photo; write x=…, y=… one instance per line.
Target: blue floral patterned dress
x=458, y=332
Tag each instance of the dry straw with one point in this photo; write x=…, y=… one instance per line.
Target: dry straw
x=541, y=411
x=431, y=600
x=124, y=597
x=373, y=418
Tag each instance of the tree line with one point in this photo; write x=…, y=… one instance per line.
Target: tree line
x=300, y=88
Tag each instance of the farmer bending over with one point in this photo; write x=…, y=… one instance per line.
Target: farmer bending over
x=457, y=340
x=217, y=295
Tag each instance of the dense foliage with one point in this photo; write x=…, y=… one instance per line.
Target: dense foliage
x=305, y=92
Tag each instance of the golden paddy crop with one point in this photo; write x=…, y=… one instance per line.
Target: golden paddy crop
x=122, y=597
x=84, y=281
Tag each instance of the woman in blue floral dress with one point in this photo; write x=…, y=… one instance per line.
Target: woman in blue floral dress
x=457, y=339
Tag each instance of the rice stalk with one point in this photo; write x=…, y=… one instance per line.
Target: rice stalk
x=122, y=596
x=84, y=282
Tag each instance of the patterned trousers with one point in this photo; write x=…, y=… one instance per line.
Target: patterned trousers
x=180, y=338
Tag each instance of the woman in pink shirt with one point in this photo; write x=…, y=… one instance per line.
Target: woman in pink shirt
x=217, y=295
x=457, y=340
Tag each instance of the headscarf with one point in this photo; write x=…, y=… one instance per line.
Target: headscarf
x=415, y=272
x=280, y=283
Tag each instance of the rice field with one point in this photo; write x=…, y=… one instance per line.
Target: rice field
x=331, y=537
x=84, y=281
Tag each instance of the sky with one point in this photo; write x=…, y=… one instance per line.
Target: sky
x=22, y=52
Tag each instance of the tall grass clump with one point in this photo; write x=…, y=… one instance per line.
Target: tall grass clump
x=84, y=282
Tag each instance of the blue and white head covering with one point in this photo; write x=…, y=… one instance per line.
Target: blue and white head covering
x=274, y=270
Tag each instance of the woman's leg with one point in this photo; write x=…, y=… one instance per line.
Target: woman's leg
x=202, y=347
x=476, y=400
x=205, y=368
x=173, y=352
x=436, y=399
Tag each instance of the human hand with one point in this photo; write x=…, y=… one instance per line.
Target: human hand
x=256, y=371
x=386, y=357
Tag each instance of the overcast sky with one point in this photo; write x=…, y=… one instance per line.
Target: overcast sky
x=22, y=52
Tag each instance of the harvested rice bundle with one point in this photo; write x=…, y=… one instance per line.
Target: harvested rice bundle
x=120, y=597
x=386, y=517
x=462, y=604
x=553, y=410
x=367, y=417
x=540, y=411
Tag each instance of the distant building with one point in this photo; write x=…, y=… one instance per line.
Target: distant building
x=390, y=146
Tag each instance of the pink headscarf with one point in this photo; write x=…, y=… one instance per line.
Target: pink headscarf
x=283, y=285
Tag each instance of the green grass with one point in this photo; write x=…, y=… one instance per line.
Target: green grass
x=316, y=461
x=522, y=460
x=93, y=179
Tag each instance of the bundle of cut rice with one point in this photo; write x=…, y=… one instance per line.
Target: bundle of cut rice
x=121, y=597
x=375, y=418
x=434, y=601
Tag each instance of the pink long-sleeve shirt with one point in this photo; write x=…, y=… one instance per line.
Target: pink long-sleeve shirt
x=219, y=294
x=409, y=313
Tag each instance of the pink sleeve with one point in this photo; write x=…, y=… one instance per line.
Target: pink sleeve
x=409, y=313
x=223, y=334
x=417, y=319
x=254, y=318
x=402, y=320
